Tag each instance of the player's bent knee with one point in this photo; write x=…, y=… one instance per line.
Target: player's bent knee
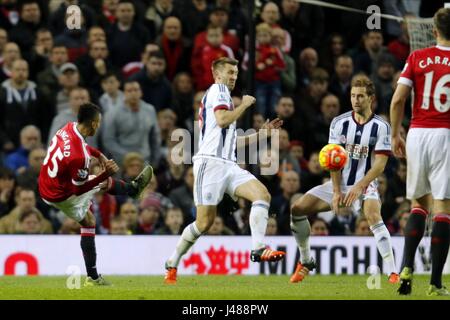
x=373, y=217
x=299, y=209
x=204, y=225
x=265, y=196
x=90, y=219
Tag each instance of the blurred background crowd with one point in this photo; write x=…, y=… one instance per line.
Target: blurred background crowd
x=146, y=63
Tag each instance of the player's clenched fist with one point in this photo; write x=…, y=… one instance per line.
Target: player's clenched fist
x=247, y=100
x=111, y=167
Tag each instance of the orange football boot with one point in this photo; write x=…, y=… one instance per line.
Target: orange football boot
x=394, y=278
x=302, y=270
x=171, y=275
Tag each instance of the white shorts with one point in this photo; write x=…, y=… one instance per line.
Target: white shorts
x=428, y=159
x=214, y=177
x=76, y=207
x=325, y=192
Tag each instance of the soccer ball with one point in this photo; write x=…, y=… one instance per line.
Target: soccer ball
x=333, y=157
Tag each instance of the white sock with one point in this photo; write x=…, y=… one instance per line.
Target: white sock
x=384, y=245
x=188, y=237
x=301, y=230
x=259, y=214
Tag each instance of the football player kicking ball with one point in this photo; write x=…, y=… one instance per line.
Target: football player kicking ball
x=367, y=139
x=64, y=180
x=216, y=171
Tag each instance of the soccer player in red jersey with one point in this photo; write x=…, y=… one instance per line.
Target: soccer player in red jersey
x=427, y=149
x=65, y=183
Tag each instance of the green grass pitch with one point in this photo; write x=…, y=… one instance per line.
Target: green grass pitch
x=211, y=288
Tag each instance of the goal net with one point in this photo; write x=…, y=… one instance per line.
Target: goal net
x=420, y=32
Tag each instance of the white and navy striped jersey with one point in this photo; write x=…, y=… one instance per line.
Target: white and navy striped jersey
x=215, y=141
x=362, y=142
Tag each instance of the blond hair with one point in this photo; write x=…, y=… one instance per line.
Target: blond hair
x=362, y=81
x=263, y=27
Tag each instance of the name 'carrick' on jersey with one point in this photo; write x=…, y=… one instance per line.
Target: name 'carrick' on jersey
x=215, y=141
x=427, y=71
x=362, y=142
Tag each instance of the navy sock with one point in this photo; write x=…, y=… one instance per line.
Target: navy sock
x=414, y=230
x=89, y=252
x=440, y=236
x=120, y=187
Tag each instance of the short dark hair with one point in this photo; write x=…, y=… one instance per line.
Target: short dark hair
x=320, y=75
x=219, y=63
x=25, y=189
x=88, y=112
x=28, y=213
x=157, y=54
x=58, y=43
x=126, y=1
x=374, y=31
x=42, y=30
x=23, y=3
x=6, y=173
x=219, y=9
x=128, y=81
x=442, y=22
x=285, y=96
x=343, y=56
x=110, y=74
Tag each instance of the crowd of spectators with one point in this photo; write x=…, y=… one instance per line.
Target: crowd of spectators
x=147, y=64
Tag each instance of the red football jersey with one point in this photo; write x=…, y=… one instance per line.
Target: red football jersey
x=66, y=165
x=427, y=71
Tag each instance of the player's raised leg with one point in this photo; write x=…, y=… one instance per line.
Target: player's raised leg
x=372, y=211
x=255, y=192
x=414, y=230
x=440, y=238
x=89, y=252
x=134, y=188
x=301, y=229
x=190, y=234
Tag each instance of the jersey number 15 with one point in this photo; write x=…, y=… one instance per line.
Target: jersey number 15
x=55, y=155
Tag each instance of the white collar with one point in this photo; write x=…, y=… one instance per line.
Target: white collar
x=443, y=48
x=77, y=132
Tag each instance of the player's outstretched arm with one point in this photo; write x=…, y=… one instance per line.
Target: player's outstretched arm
x=265, y=131
x=377, y=168
x=98, y=155
x=226, y=117
x=398, y=102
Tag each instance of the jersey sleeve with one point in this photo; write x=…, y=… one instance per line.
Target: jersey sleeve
x=334, y=135
x=93, y=152
x=407, y=75
x=220, y=99
x=79, y=174
x=383, y=145
x=80, y=177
